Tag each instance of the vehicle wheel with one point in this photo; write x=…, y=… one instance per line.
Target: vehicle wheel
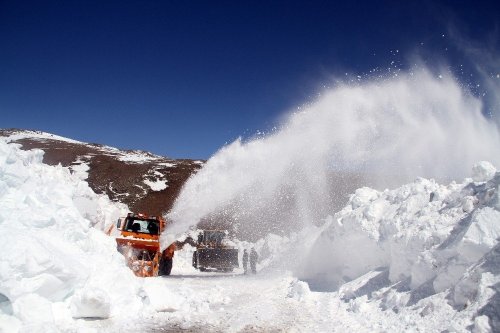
x=165, y=267
x=168, y=267
x=195, y=261
x=203, y=269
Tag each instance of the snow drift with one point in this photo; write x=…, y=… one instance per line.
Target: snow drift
x=420, y=242
x=421, y=233
x=55, y=265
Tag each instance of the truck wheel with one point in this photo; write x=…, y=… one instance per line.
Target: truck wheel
x=168, y=266
x=195, y=261
x=165, y=267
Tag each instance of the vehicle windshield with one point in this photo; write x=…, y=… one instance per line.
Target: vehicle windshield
x=214, y=237
x=143, y=226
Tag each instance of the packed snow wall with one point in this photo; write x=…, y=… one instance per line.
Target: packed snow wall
x=54, y=265
x=421, y=232
x=380, y=134
x=415, y=248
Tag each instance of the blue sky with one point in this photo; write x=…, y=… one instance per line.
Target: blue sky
x=182, y=78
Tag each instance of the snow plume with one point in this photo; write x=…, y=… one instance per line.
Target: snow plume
x=379, y=133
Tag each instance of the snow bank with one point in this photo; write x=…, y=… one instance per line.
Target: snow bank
x=421, y=239
x=56, y=263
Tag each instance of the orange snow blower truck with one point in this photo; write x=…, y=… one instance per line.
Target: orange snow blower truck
x=138, y=239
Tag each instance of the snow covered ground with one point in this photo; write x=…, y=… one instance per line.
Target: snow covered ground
x=423, y=257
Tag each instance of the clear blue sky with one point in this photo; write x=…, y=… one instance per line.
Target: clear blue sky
x=189, y=76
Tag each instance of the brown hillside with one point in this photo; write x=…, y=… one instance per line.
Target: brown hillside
x=118, y=173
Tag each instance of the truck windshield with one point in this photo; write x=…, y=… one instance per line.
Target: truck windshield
x=143, y=226
x=214, y=237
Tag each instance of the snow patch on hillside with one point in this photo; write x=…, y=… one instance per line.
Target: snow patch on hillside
x=157, y=185
x=27, y=134
x=137, y=157
x=128, y=156
x=80, y=169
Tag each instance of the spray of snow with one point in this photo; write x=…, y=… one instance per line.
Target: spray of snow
x=405, y=259
x=418, y=124
x=425, y=251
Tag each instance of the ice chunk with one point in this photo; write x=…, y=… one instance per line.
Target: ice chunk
x=5, y=304
x=33, y=310
x=164, y=300
x=468, y=203
x=363, y=196
x=298, y=290
x=483, y=232
x=46, y=285
x=90, y=303
x=9, y=324
x=481, y=325
x=483, y=171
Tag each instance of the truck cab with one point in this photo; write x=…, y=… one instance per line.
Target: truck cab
x=214, y=252
x=139, y=241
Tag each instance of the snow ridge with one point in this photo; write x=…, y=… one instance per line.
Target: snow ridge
x=413, y=245
x=57, y=264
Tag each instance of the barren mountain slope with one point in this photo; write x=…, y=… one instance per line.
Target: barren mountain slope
x=144, y=181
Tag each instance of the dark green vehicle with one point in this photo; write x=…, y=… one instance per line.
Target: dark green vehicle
x=213, y=253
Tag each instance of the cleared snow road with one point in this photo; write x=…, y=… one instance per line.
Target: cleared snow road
x=222, y=302
x=275, y=302
x=267, y=302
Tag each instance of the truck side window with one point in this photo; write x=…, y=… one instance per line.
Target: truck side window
x=128, y=223
x=152, y=228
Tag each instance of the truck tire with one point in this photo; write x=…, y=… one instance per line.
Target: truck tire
x=165, y=267
x=195, y=260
